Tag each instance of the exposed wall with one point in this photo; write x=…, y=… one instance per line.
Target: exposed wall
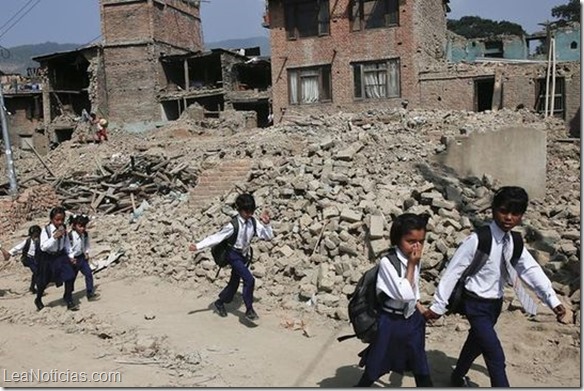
x=177, y=23
x=26, y=116
x=514, y=156
x=136, y=33
x=453, y=87
x=123, y=21
x=131, y=83
x=342, y=47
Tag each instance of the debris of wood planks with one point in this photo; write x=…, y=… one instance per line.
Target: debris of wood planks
x=119, y=187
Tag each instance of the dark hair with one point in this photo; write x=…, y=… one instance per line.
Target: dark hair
x=245, y=202
x=79, y=219
x=512, y=198
x=405, y=223
x=57, y=210
x=34, y=230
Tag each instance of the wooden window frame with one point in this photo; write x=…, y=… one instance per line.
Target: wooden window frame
x=357, y=17
x=322, y=71
x=293, y=13
x=359, y=77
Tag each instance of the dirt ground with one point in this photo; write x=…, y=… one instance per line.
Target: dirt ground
x=157, y=334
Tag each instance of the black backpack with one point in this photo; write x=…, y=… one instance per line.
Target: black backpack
x=455, y=301
x=24, y=255
x=364, y=304
x=219, y=251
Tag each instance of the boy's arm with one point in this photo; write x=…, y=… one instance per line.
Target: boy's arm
x=214, y=239
x=459, y=262
x=263, y=228
x=16, y=249
x=529, y=271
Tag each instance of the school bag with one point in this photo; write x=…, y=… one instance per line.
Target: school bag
x=455, y=302
x=24, y=254
x=220, y=250
x=364, y=305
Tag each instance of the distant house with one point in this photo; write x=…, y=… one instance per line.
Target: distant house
x=358, y=54
x=217, y=79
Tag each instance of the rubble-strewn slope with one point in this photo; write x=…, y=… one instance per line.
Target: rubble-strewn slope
x=333, y=185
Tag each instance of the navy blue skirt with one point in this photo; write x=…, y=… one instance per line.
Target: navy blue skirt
x=400, y=346
x=54, y=268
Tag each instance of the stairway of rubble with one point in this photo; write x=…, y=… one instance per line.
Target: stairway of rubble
x=218, y=180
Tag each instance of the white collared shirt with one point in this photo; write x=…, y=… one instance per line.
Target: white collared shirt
x=20, y=246
x=488, y=282
x=398, y=289
x=244, y=235
x=79, y=244
x=52, y=245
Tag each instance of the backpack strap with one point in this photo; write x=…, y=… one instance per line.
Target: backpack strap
x=233, y=238
x=482, y=254
x=394, y=260
x=26, y=248
x=517, y=247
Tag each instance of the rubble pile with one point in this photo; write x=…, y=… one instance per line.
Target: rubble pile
x=33, y=201
x=333, y=185
x=119, y=187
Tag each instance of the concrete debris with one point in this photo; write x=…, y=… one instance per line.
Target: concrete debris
x=333, y=185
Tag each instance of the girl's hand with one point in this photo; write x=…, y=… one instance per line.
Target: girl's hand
x=59, y=232
x=415, y=255
x=193, y=247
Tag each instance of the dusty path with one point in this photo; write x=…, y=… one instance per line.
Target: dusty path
x=184, y=343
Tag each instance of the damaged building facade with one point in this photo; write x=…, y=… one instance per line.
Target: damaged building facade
x=356, y=54
x=24, y=105
x=351, y=54
x=149, y=67
x=217, y=80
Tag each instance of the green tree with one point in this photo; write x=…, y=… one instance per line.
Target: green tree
x=568, y=12
x=477, y=27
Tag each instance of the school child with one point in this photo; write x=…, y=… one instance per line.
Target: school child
x=28, y=249
x=238, y=255
x=54, y=264
x=483, y=291
x=400, y=342
x=79, y=239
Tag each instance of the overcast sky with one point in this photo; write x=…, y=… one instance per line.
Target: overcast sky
x=77, y=21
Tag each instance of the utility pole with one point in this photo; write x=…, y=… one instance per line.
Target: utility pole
x=7, y=146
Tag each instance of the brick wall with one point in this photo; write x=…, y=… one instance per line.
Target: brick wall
x=32, y=202
x=18, y=123
x=453, y=88
x=131, y=87
x=343, y=47
x=178, y=23
x=125, y=21
x=136, y=33
x=219, y=180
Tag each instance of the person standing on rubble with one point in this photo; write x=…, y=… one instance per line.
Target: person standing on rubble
x=238, y=256
x=482, y=298
x=101, y=134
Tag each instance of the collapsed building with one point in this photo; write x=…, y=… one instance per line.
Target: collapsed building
x=352, y=54
x=133, y=77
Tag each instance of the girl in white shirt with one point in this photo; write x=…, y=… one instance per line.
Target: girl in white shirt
x=79, y=252
x=400, y=342
x=28, y=249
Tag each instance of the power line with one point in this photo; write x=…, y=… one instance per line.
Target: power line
x=17, y=12
x=18, y=20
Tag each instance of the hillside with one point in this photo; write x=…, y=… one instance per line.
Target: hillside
x=17, y=58
x=239, y=43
